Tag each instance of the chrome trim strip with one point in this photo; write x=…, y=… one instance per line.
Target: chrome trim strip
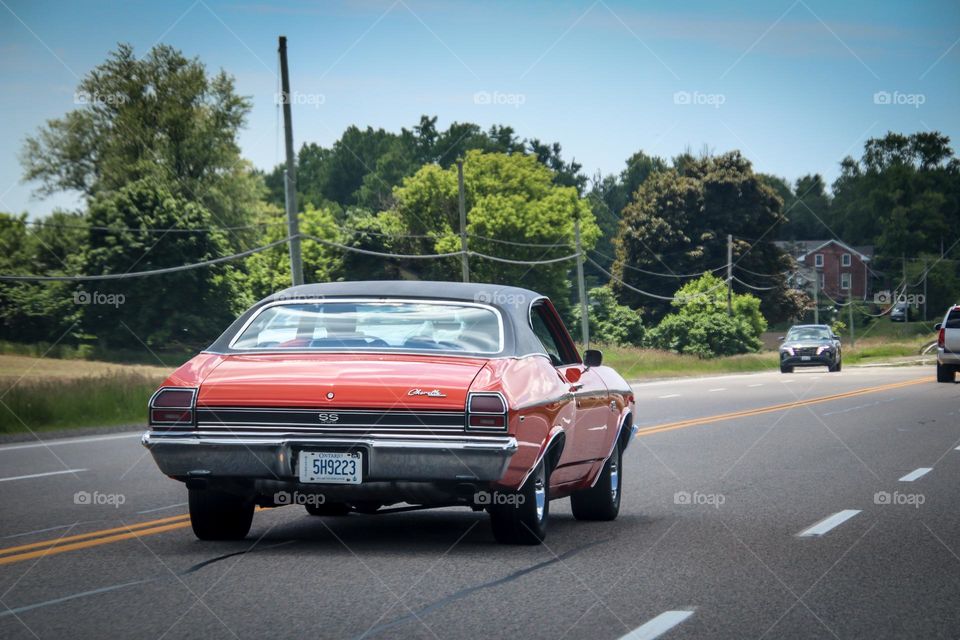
x=323, y=425
x=543, y=452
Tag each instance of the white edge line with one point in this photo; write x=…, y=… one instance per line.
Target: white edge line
x=828, y=523
x=669, y=395
x=916, y=474
x=63, y=441
x=656, y=627
x=42, y=475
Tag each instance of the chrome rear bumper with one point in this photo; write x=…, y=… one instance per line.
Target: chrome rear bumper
x=183, y=454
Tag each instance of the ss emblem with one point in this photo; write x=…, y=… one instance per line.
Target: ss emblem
x=328, y=417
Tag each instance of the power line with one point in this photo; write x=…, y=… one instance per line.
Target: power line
x=654, y=295
x=763, y=275
x=755, y=288
x=85, y=227
x=449, y=254
x=664, y=275
x=137, y=274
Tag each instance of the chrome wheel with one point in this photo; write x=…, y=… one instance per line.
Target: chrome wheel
x=614, y=477
x=540, y=494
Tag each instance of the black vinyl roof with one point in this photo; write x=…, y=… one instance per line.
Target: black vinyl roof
x=512, y=302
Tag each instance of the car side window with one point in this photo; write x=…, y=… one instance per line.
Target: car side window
x=953, y=320
x=556, y=348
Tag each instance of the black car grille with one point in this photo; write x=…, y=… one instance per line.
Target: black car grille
x=237, y=420
x=805, y=351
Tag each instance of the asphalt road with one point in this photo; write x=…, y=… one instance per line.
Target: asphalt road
x=743, y=517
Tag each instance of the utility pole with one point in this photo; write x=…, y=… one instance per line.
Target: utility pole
x=290, y=175
x=462, y=204
x=816, y=296
x=924, y=289
x=582, y=288
x=853, y=338
x=729, y=274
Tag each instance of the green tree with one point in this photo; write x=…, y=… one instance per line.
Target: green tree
x=181, y=309
x=269, y=271
x=612, y=323
x=39, y=311
x=679, y=221
x=160, y=117
x=700, y=325
x=509, y=199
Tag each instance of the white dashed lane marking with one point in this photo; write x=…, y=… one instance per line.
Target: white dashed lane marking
x=828, y=523
x=41, y=475
x=658, y=626
x=916, y=474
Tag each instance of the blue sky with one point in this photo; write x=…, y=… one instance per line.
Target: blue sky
x=791, y=83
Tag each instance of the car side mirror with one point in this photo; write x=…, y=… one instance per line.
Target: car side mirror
x=780, y=339
x=937, y=326
x=592, y=357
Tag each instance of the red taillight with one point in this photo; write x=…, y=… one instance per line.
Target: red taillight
x=172, y=407
x=941, y=339
x=171, y=415
x=486, y=411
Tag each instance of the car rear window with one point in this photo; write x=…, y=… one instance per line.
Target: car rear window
x=374, y=326
x=953, y=319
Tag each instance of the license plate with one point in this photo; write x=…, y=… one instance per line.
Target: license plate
x=331, y=467
x=804, y=358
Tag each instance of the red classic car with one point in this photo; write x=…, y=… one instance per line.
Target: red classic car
x=352, y=396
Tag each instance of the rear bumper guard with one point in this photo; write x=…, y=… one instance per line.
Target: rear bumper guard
x=419, y=458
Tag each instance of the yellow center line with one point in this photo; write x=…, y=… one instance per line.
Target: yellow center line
x=61, y=548
x=682, y=424
x=93, y=534
x=23, y=552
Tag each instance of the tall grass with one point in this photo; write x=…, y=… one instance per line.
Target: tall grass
x=104, y=400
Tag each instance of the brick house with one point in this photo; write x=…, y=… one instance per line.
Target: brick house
x=843, y=271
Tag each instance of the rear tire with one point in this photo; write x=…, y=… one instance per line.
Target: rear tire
x=217, y=515
x=602, y=500
x=332, y=509
x=523, y=519
x=946, y=373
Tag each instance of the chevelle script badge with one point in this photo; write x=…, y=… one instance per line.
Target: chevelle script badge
x=431, y=394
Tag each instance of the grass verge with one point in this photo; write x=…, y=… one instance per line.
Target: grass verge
x=44, y=404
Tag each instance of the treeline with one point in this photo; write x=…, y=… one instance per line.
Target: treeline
x=164, y=184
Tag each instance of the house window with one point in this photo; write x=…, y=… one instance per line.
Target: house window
x=844, y=280
x=818, y=260
x=845, y=260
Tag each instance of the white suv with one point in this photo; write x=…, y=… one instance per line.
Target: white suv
x=948, y=345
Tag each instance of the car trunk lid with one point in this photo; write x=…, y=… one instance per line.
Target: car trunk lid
x=375, y=381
